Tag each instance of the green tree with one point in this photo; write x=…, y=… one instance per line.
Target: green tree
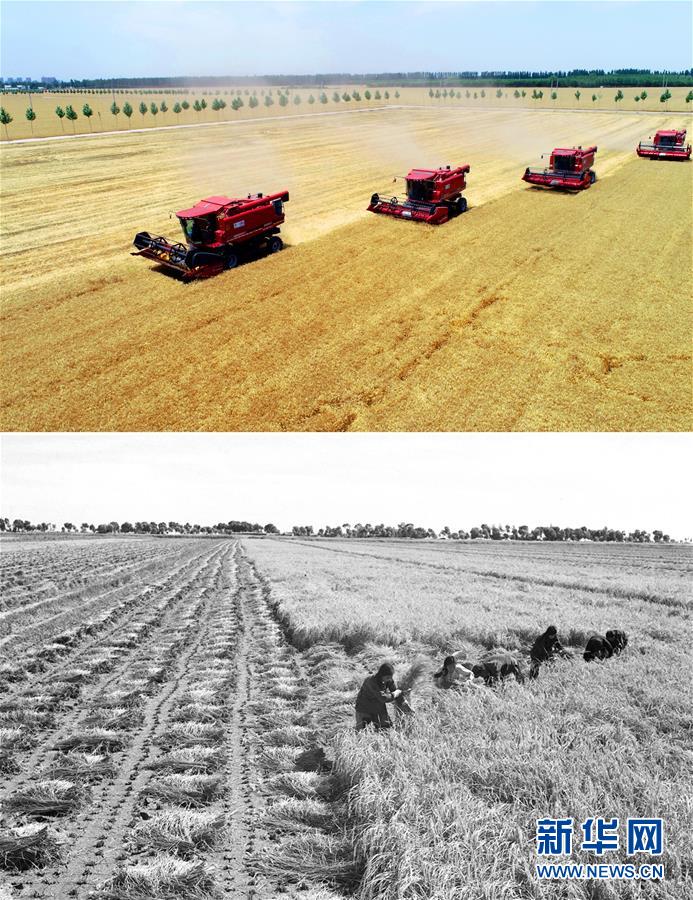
x=203, y=103
x=335, y=97
x=367, y=95
x=185, y=105
x=467, y=94
x=153, y=109
x=324, y=98
x=5, y=118
x=127, y=111
x=87, y=112
x=577, y=96
x=31, y=116
x=269, y=100
x=689, y=97
x=143, y=109
x=619, y=96
x=163, y=108
x=594, y=98
x=523, y=93
x=378, y=95
x=345, y=97
x=386, y=95
x=554, y=95
x=643, y=95
x=297, y=100
x=483, y=92
x=283, y=100
x=60, y=113
x=665, y=96
x=311, y=99
x=356, y=95
x=253, y=101
x=516, y=94
x=431, y=93
x=71, y=115
x=499, y=93
x=115, y=109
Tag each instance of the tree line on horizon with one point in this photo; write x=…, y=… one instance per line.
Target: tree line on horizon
x=492, y=78
x=403, y=530
x=485, y=532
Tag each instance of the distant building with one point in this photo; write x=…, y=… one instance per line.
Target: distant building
x=48, y=79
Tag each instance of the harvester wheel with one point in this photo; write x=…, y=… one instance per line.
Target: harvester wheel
x=231, y=261
x=593, y=177
x=274, y=245
x=461, y=205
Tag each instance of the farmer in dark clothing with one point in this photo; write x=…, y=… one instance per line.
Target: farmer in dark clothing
x=545, y=649
x=598, y=647
x=496, y=665
x=617, y=639
x=374, y=694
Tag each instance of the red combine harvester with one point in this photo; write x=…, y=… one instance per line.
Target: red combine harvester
x=217, y=230
x=666, y=145
x=433, y=196
x=568, y=169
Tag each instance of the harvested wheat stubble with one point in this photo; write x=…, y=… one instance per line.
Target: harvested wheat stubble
x=309, y=857
x=181, y=831
x=81, y=765
x=293, y=813
x=25, y=846
x=51, y=797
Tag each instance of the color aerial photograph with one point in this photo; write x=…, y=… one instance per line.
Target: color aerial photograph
x=346, y=216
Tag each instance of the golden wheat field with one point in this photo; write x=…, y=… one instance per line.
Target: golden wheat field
x=533, y=311
x=48, y=124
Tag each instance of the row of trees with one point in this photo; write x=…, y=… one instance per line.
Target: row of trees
x=199, y=105
x=232, y=527
x=484, y=532
x=561, y=78
x=539, y=95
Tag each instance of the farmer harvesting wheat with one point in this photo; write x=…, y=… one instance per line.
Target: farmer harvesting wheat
x=453, y=675
x=546, y=647
x=496, y=665
x=374, y=694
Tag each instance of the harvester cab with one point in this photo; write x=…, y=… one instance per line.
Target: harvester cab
x=216, y=231
x=568, y=169
x=433, y=196
x=666, y=145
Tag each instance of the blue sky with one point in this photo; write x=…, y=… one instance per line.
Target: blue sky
x=119, y=38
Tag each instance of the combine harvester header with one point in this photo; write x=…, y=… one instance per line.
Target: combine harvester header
x=216, y=231
x=666, y=145
x=433, y=196
x=569, y=169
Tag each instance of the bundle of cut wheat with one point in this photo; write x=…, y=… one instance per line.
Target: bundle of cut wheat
x=196, y=759
x=51, y=797
x=161, y=878
x=182, y=831
x=28, y=845
x=93, y=739
x=185, y=790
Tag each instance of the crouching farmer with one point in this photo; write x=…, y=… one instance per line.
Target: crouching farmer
x=597, y=647
x=617, y=639
x=498, y=665
x=545, y=649
x=374, y=694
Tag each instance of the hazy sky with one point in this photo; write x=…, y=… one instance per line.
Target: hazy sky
x=104, y=39
x=627, y=481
